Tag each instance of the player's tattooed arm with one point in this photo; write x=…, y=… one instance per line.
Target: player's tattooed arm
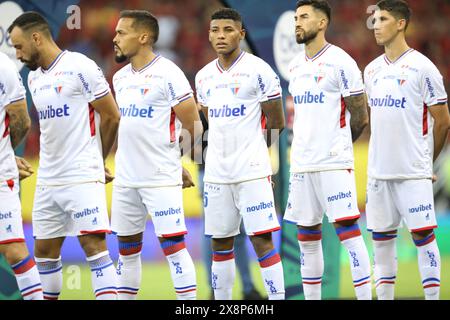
x=19, y=121
x=357, y=106
x=275, y=122
x=441, y=118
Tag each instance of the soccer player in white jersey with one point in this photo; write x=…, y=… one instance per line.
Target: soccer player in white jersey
x=156, y=102
x=78, y=120
x=14, y=125
x=330, y=113
x=239, y=93
x=409, y=122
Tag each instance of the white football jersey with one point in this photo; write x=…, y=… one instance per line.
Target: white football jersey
x=401, y=143
x=148, y=151
x=70, y=143
x=11, y=90
x=322, y=136
x=237, y=150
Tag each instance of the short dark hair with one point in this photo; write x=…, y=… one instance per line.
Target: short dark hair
x=321, y=5
x=227, y=13
x=398, y=8
x=143, y=18
x=31, y=20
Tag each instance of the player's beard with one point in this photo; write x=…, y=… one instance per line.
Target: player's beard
x=307, y=36
x=120, y=58
x=32, y=62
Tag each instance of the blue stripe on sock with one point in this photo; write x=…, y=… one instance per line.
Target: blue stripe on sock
x=268, y=255
x=431, y=279
x=419, y=242
x=30, y=287
x=305, y=278
x=223, y=252
x=169, y=243
x=377, y=235
x=102, y=267
x=128, y=288
x=129, y=245
x=347, y=229
x=387, y=278
x=21, y=263
x=100, y=263
x=51, y=271
x=362, y=279
x=304, y=231
x=105, y=288
x=51, y=293
x=181, y=288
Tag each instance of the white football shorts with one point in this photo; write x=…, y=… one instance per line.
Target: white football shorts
x=227, y=204
x=70, y=210
x=313, y=194
x=389, y=202
x=130, y=207
x=11, y=229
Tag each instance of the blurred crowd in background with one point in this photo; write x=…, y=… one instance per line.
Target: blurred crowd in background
x=184, y=39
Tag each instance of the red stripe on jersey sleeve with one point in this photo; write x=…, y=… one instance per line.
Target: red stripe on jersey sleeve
x=342, y=118
x=425, y=120
x=6, y=132
x=172, y=126
x=92, y=120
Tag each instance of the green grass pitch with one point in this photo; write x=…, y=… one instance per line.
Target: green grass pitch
x=157, y=284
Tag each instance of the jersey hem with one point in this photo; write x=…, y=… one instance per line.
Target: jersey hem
x=307, y=170
x=399, y=177
x=60, y=184
x=264, y=176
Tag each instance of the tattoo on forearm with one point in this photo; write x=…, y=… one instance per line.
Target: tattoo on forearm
x=357, y=107
x=18, y=127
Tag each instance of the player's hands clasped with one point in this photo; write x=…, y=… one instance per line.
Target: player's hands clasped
x=187, y=179
x=25, y=169
x=108, y=176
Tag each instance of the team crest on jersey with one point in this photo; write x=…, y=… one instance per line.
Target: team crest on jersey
x=235, y=86
x=144, y=91
x=401, y=81
x=318, y=77
x=58, y=89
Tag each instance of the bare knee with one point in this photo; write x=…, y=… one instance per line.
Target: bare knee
x=93, y=244
x=130, y=239
x=14, y=252
x=345, y=223
x=48, y=248
x=420, y=235
x=173, y=239
x=315, y=227
x=222, y=244
x=262, y=244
